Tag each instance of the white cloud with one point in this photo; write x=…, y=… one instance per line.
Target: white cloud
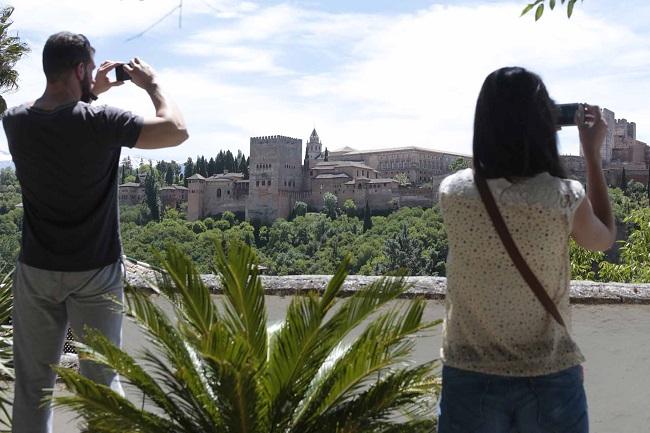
x=373, y=81
x=105, y=18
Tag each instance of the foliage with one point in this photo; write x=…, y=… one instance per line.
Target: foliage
x=634, y=266
x=459, y=164
x=152, y=196
x=299, y=209
x=584, y=263
x=218, y=368
x=6, y=348
x=367, y=218
x=540, y=6
x=402, y=179
x=350, y=208
x=405, y=253
x=331, y=204
x=12, y=49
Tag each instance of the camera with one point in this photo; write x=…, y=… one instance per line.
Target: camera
x=121, y=74
x=566, y=114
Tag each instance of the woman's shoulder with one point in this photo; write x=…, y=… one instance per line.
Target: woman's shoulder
x=457, y=183
x=552, y=191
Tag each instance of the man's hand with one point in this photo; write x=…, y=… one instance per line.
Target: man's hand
x=141, y=74
x=592, y=133
x=102, y=83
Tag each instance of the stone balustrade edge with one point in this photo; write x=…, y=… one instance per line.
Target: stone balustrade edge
x=144, y=277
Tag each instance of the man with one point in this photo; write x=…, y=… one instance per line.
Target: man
x=66, y=154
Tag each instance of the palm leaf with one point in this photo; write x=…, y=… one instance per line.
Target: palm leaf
x=104, y=409
x=105, y=352
x=382, y=344
x=182, y=284
x=245, y=310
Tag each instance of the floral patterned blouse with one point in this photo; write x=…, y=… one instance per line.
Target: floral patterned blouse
x=494, y=324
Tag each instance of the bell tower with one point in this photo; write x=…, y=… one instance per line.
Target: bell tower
x=314, y=146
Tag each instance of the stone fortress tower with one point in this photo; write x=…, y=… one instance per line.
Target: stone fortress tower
x=275, y=177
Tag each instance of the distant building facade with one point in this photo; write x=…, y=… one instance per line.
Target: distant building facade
x=131, y=193
x=173, y=196
x=279, y=177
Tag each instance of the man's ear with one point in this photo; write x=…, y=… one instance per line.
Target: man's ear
x=80, y=71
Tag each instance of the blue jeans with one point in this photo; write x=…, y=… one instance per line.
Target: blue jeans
x=482, y=403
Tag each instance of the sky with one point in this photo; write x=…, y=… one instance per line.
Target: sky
x=367, y=74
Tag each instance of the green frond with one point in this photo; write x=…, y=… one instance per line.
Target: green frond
x=104, y=409
x=383, y=344
x=245, y=309
x=303, y=343
x=211, y=368
x=380, y=406
x=294, y=357
x=182, y=284
x=164, y=336
x=105, y=352
x=240, y=402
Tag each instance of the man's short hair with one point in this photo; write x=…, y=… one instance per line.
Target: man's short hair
x=63, y=51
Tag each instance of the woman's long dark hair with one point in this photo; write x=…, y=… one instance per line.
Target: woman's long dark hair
x=515, y=132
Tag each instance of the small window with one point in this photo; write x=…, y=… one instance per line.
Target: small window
x=269, y=183
x=263, y=183
x=257, y=183
x=219, y=192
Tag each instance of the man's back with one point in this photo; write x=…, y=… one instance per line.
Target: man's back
x=67, y=161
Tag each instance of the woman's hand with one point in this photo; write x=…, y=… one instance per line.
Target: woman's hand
x=592, y=133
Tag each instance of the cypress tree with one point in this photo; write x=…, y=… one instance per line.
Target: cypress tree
x=151, y=193
x=367, y=220
x=169, y=176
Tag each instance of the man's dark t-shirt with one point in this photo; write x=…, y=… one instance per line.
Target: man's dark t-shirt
x=67, y=164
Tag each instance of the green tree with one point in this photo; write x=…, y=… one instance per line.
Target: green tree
x=367, y=218
x=634, y=265
x=404, y=253
x=331, y=204
x=12, y=49
x=229, y=217
x=217, y=368
x=584, y=263
x=152, y=196
x=402, y=179
x=350, y=208
x=299, y=209
x=459, y=164
x=623, y=180
x=188, y=170
x=540, y=6
x=169, y=175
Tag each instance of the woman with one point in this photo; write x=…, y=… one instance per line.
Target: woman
x=509, y=365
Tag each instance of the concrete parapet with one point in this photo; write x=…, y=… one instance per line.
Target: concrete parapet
x=582, y=292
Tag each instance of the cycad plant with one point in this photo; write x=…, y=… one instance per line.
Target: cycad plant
x=218, y=367
x=6, y=349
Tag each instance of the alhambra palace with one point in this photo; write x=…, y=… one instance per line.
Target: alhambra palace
x=279, y=176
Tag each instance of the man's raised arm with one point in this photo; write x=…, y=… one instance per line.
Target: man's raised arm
x=168, y=128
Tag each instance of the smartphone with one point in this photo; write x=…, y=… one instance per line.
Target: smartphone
x=566, y=114
x=121, y=74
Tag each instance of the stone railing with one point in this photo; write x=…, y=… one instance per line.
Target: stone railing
x=143, y=276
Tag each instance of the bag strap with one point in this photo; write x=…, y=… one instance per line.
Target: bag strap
x=518, y=260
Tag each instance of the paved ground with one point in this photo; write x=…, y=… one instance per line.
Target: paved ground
x=614, y=339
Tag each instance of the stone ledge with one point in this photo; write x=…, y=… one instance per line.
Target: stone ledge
x=143, y=276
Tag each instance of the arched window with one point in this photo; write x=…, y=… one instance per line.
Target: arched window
x=219, y=193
